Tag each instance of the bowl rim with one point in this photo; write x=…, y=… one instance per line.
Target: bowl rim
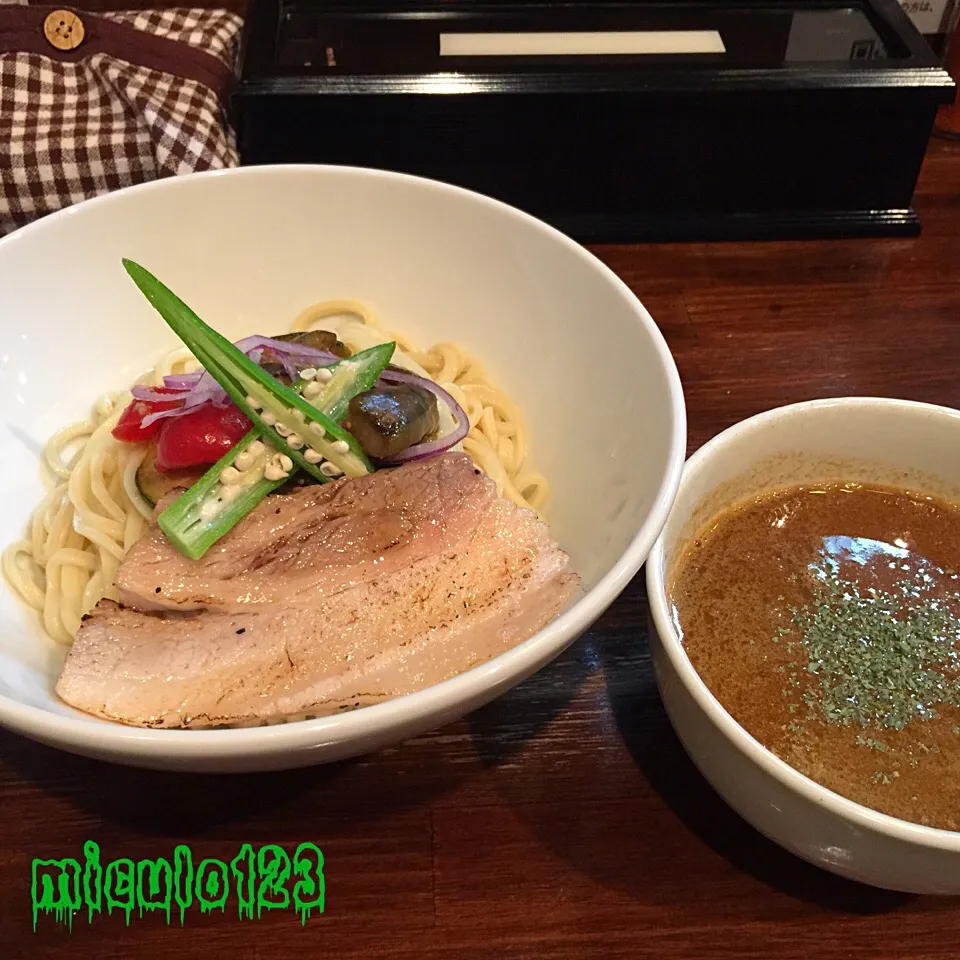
x=857, y=813
x=78, y=730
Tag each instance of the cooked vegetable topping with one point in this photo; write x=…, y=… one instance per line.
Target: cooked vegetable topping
x=200, y=438
x=192, y=390
x=269, y=407
x=387, y=420
x=252, y=469
x=324, y=340
x=155, y=485
x=130, y=427
x=428, y=448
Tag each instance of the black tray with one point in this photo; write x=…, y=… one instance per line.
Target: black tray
x=812, y=122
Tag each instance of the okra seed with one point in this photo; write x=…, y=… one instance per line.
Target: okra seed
x=298, y=414
x=329, y=469
x=229, y=475
x=308, y=373
x=311, y=456
x=256, y=449
x=286, y=463
x=268, y=418
x=245, y=460
x=312, y=390
x=323, y=375
x=294, y=441
x=253, y=403
x=283, y=431
x=340, y=446
x=317, y=428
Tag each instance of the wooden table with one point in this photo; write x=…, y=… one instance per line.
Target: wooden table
x=563, y=820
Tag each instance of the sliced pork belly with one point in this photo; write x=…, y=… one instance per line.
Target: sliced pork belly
x=316, y=541
x=414, y=576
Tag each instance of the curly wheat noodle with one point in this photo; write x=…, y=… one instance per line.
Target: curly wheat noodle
x=82, y=529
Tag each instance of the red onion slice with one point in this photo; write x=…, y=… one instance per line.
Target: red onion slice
x=430, y=448
x=199, y=387
x=183, y=381
x=285, y=348
x=165, y=414
x=142, y=392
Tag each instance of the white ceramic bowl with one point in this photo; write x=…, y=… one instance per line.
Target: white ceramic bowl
x=250, y=248
x=884, y=441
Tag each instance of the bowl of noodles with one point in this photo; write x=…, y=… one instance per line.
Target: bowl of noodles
x=312, y=618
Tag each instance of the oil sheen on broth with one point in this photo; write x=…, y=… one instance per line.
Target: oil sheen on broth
x=826, y=620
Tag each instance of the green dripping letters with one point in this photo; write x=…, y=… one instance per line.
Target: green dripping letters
x=261, y=880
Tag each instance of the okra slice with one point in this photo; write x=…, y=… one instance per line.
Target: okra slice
x=200, y=516
x=347, y=379
x=263, y=399
x=210, y=508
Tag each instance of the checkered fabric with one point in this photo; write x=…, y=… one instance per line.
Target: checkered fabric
x=140, y=98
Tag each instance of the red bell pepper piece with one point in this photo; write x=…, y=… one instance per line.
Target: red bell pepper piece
x=200, y=437
x=130, y=428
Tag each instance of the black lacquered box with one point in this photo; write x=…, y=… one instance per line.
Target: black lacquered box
x=616, y=122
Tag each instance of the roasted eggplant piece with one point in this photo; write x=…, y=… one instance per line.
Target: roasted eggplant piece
x=315, y=339
x=387, y=420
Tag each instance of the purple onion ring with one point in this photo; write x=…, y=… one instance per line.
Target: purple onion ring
x=430, y=448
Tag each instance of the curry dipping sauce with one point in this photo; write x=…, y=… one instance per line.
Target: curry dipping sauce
x=826, y=621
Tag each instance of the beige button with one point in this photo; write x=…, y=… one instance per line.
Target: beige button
x=63, y=29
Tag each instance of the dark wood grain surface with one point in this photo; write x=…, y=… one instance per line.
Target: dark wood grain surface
x=564, y=820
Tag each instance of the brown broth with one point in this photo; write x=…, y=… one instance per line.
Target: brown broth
x=734, y=592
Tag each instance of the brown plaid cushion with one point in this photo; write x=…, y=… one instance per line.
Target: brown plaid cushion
x=140, y=98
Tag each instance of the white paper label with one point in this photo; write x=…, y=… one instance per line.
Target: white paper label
x=927, y=15
x=608, y=43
